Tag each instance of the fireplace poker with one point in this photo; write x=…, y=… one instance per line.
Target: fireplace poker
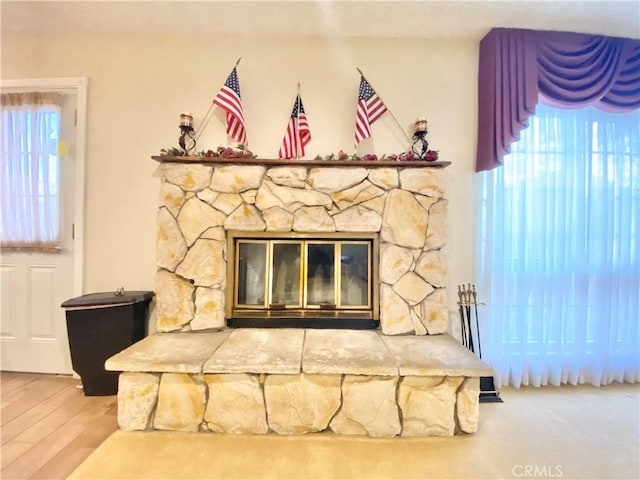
x=463, y=332
x=474, y=294
x=467, y=294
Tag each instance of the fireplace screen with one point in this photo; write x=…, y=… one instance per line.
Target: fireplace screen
x=303, y=277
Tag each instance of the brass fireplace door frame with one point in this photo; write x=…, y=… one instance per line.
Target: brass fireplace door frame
x=303, y=308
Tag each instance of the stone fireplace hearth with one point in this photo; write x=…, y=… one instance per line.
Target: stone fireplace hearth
x=405, y=377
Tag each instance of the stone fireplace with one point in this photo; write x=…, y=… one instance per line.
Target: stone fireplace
x=351, y=253
x=398, y=206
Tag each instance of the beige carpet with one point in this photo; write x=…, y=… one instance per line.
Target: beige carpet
x=567, y=432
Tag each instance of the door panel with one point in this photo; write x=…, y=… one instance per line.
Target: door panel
x=8, y=300
x=42, y=284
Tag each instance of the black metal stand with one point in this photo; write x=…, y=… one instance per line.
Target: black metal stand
x=420, y=145
x=470, y=334
x=187, y=139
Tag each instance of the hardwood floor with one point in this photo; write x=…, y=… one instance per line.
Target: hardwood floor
x=48, y=426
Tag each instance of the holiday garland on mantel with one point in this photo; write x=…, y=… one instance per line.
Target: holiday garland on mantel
x=241, y=151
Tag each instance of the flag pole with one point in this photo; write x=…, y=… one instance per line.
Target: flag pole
x=298, y=123
x=207, y=116
x=388, y=110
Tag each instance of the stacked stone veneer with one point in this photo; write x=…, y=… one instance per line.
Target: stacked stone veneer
x=294, y=404
x=295, y=381
x=200, y=202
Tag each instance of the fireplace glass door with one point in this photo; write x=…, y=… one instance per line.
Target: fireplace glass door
x=286, y=274
x=303, y=277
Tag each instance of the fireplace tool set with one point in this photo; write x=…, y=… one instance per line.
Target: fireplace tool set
x=470, y=335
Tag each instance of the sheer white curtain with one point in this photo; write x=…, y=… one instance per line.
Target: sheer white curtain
x=30, y=170
x=559, y=252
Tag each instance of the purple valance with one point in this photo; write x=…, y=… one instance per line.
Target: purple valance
x=519, y=68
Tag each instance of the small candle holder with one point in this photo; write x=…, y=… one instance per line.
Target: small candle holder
x=420, y=145
x=187, y=139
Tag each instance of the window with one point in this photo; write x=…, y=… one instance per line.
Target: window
x=30, y=171
x=558, y=253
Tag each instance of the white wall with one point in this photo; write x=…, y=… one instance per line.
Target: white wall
x=138, y=85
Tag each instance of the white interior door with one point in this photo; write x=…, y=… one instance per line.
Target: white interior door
x=34, y=284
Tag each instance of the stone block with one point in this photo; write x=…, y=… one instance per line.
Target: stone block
x=176, y=352
x=204, y=264
x=404, y=221
x=277, y=219
x=357, y=219
x=209, y=304
x=394, y=262
x=357, y=194
x=376, y=204
x=137, y=397
x=258, y=350
x=434, y=313
x=468, y=405
x=236, y=404
x=356, y=352
x=437, y=231
x=368, y=407
x=433, y=355
x=236, y=178
x=272, y=195
x=249, y=196
x=301, y=403
x=426, y=181
x=312, y=219
x=266, y=199
x=196, y=217
x=428, y=405
x=432, y=266
x=288, y=176
x=412, y=288
x=426, y=202
x=181, y=402
x=416, y=321
x=208, y=196
x=395, y=316
x=247, y=218
x=329, y=180
x=215, y=233
x=174, y=304
x=170, y=244
x=189, y=177
x=386, y=178
x=171, y=197
x=227, y=202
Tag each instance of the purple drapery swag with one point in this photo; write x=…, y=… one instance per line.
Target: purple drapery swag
x=520, y=68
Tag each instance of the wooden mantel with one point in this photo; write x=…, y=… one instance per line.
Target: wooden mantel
x=297, y=163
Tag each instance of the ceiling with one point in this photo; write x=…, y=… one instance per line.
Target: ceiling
x=446, y=19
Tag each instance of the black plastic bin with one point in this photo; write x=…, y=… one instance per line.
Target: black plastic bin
x=99, y=326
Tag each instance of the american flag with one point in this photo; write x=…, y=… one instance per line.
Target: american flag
x=228, y=99
x=297, y=135
x=370, y=108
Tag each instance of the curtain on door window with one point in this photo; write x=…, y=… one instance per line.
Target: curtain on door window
x=30, y=171
x=559, y=251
